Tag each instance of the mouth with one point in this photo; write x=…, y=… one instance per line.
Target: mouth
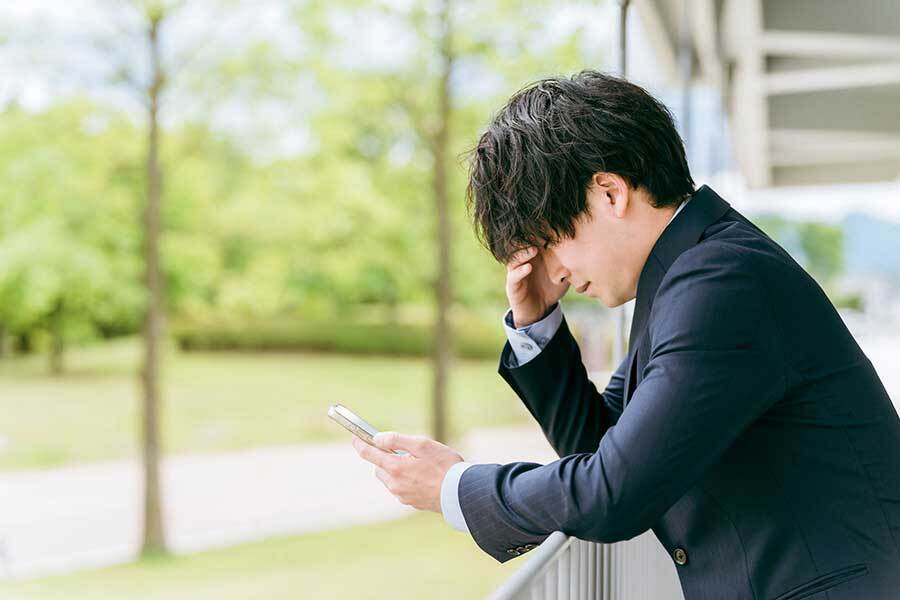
x=583, y=288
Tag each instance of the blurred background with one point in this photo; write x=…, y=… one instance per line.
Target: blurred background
x=218, y=217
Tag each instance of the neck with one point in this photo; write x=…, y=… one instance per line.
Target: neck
x=653, y=222
x=659, y=220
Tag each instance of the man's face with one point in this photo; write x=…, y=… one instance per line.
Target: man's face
x=608, y=251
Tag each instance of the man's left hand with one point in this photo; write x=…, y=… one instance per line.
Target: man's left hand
x=415, y=478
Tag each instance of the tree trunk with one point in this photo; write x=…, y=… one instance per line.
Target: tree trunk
x=57, y=345
x=443, y=293
x=154, y=532
x=392, y=310
x=23, y=343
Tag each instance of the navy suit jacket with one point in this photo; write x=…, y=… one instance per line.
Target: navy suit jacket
x=745, y=427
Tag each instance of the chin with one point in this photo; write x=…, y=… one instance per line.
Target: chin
x=612, y=301
x=607, y=300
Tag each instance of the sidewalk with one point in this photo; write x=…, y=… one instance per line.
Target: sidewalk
x=82, y=516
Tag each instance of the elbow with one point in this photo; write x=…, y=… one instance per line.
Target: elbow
x=620, y=531
x=601, y=507
x=611, y=531
x=610, y=523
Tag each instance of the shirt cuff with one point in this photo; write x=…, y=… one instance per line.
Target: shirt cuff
x=450, y=497
x=527, y=342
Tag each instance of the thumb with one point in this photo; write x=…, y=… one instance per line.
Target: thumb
x=391, y=440
x=385, y=439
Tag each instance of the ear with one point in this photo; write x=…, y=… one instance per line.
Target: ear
x=613, y=191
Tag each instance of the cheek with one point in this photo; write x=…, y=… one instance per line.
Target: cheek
x=567, y=256
x=602, y=268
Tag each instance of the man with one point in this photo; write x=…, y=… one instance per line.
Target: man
x=745, y=427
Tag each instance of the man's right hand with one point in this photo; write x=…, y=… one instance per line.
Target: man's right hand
x=528, y=287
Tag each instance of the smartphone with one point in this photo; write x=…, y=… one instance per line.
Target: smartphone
x=356, y=425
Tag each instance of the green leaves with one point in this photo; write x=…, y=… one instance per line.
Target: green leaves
x=347, y=219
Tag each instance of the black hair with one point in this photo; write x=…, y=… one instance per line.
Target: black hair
x=529, y=172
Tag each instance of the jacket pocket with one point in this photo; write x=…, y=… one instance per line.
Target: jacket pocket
x=824, y=582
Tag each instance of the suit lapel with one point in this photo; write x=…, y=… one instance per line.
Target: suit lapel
x=651, y=275
x=705, y=208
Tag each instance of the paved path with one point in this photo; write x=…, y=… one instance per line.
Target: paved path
x=65, y=519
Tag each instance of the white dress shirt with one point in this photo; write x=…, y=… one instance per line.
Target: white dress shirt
x=526, y=342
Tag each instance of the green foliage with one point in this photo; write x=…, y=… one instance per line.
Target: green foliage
x=381, y=115
x=401, y=339
x=823, y=247
x=818, y=246
x=306, y=235
x=850, y=300
x=66, y=247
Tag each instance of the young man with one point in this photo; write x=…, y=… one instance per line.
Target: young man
x=745, y=427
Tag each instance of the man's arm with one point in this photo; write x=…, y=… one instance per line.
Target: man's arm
x=555, y=388
x=526, y=342
x=713, y=369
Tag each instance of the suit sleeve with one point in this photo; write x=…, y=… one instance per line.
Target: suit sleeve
x=713, y=369
x=555, y=388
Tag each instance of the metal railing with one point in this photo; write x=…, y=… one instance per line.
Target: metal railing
x=567, y=568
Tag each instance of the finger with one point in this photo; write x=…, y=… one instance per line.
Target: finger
x=391, y=440
x=517, y=275
x=521, y=256
x=383, y=477
x=376, y=456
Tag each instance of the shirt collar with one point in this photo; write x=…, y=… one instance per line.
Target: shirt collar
x=678, y=210
x=706, y=207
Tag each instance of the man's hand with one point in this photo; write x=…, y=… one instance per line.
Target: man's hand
x=528, y=287
x=415, y=479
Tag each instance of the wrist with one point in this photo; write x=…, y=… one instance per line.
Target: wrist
x=518, y=322
x=525, y=320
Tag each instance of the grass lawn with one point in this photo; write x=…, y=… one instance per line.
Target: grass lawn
x=412, y=558
x=223, y=401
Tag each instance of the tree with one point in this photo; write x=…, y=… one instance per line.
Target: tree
x=67, y=266
x=154, y=530
x=405, y=117
x=818, y=246
x=151, y=70
x=823, y=248
x=443, y=283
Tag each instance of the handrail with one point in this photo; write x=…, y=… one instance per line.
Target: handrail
x=543, y=557
x=568, y=568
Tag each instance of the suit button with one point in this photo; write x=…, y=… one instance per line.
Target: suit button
x=680, y=556
x=528, y=547
x=511, y=551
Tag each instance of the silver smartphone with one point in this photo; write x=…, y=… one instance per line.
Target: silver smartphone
x=356, y=425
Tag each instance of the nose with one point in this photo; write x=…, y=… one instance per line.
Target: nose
x=555, y=270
